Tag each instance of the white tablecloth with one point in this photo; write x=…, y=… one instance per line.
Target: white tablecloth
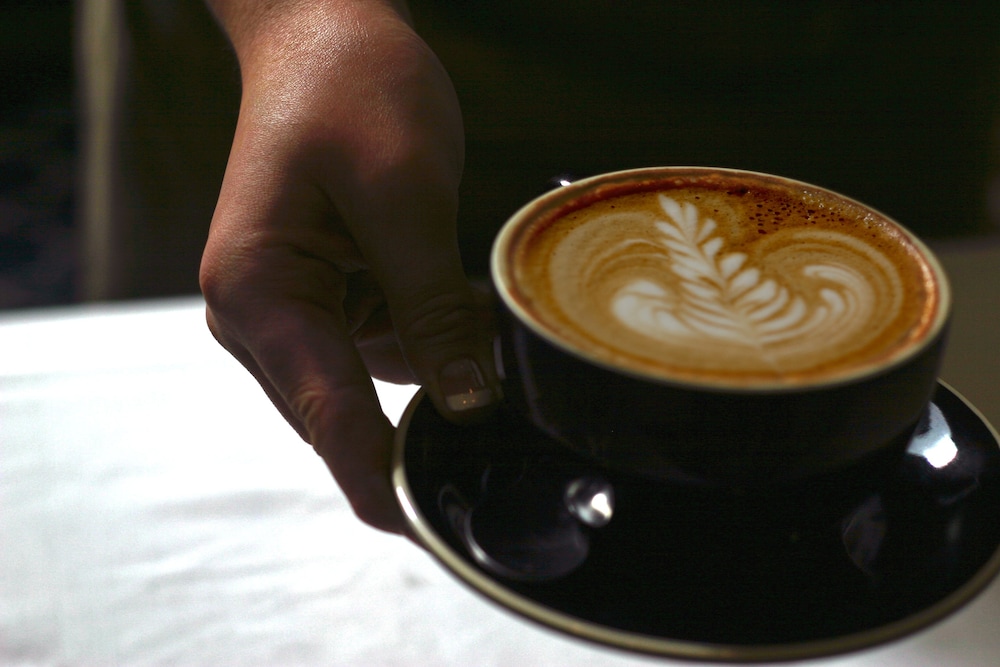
x=155, y=510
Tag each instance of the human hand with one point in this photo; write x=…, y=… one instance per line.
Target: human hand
x=332, y=255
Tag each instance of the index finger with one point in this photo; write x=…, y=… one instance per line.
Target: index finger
x=309, y=367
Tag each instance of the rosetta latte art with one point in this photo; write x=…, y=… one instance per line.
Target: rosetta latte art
x=805, y=301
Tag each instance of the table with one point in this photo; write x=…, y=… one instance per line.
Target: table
x=155, y=510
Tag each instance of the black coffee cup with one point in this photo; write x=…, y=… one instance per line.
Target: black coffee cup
x=713, y=425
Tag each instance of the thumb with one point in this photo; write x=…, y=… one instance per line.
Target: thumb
x=443, y=324
x=444, y=328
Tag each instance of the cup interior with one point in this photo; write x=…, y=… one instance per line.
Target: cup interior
x=522, y=292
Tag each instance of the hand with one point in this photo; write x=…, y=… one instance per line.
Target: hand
x=332, y=254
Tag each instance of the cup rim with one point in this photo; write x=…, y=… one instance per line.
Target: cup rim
x=503, y=283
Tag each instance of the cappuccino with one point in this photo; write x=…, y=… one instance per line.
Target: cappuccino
x=723, y=278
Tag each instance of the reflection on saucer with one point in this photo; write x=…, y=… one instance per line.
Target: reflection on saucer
x=831, y=566
x=932, y=440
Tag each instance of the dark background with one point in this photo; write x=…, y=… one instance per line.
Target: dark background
x=894, y=103
x=37, y=149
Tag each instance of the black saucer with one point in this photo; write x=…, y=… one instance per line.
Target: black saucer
x=825, y=567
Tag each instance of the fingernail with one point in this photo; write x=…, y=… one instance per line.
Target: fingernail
x=464, y=387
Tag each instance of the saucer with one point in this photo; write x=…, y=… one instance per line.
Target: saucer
x=822, y=568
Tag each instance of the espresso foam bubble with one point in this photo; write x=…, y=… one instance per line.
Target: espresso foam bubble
x=730, y=284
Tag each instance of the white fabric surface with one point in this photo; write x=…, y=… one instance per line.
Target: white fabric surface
x=155, y=510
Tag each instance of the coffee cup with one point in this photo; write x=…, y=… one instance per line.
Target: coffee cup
x=717, y=327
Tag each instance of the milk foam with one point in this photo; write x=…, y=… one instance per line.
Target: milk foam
x=684, y=283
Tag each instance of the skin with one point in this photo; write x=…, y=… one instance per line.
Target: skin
x=332, y=254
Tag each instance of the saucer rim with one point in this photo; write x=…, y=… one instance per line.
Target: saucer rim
x=498, y=593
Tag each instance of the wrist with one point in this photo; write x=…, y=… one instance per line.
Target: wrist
x=265, y=31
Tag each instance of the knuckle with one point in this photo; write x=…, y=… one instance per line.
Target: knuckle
x=217, y=287
x=309, y=402
x=332, y=417
x=439, y=320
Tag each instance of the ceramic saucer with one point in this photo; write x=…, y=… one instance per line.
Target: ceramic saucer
x=831, y=566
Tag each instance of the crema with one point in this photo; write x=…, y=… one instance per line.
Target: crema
x=734, y=280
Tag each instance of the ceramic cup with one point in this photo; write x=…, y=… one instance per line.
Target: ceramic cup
x=715, y=326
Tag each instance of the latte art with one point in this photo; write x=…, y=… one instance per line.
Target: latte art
x=811, y=307
x=724, y=284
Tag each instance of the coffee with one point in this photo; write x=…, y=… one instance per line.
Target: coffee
x=724, y=278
